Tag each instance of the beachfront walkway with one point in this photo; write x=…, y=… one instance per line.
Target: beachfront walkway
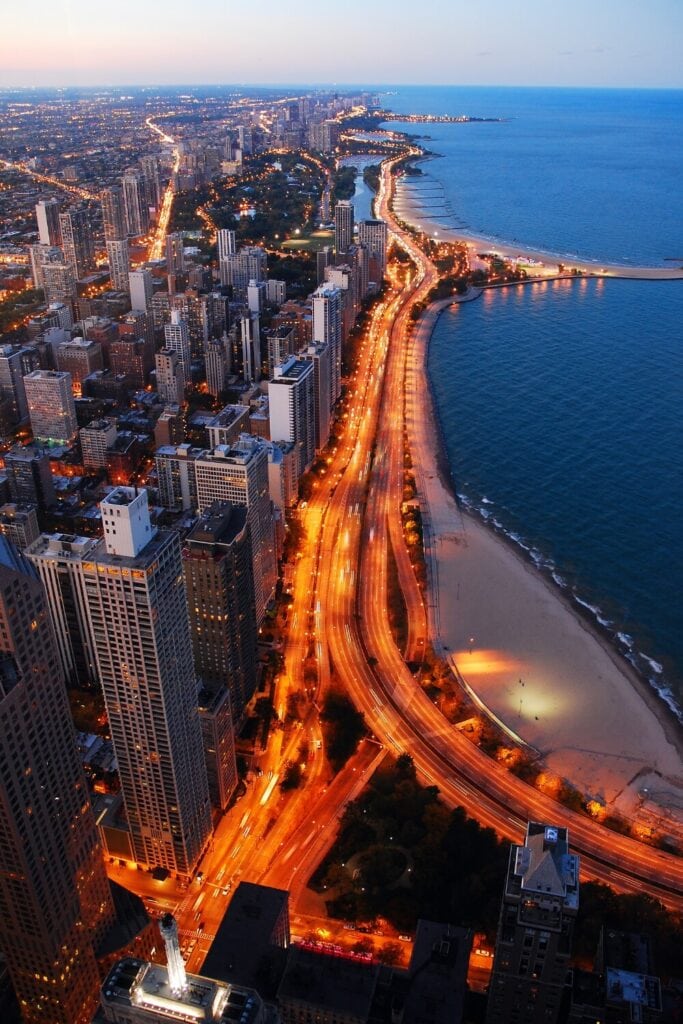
x=519, y=644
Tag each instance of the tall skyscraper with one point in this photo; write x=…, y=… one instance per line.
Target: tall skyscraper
x=177, y=337
x=250, y=336
x=138, y=615
x=227, y=245
x=343, y=226
x=47, y=215
x=59, y=282
x=141, y=290
x=217, y=566
x=12, y=381
x=135, y=202
x=150, y=172
x=540, y=902
x=77, y=242
x=119, y=265
x=55, y=902
x=373, y=235
x=327, y=327
x=175, y=254
x=40, y=255
x=239, y=474
x=216, y=364
x=51, y=406
x=170, y=377
x=29, y=476
x=291, y=399
x=318, y=353
x=113, y=214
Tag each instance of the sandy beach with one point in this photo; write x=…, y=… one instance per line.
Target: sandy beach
x=408, y=208
x=539, y=667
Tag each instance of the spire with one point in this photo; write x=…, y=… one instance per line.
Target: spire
x=177, y=978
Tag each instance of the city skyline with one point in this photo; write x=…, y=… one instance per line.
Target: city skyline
x=611, y=46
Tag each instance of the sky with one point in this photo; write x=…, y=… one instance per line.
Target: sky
x=610, y=43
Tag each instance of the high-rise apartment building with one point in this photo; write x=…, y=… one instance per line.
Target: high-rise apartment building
x=19, y=523
x=239, y=268
x=318, y=353
x=327, y=327
x=216, y=365
x=79, y=357
x=96, y=439
x=176, y=476
x=531, y=968
x=55, y=902
x=175, y=253
x=51, y=405
x=12, y=380
x=39, y=255
x=135, y=203
x=291, y=401
x=77, y=242
x=119, y=264
x=170, y=377
x=177, y=339
x=149, y=166
x=133, y=357
x=227, y=245
x=218, y=571
x=58, y=561
x=138, y=615
x=343, y=226
x=141, y=290
x=373, y=235
x=250, y=336
x=113, y=214
x=218, y=736
x=239, y=474
x=29, y=476
x=47, y=215
x=59, y=281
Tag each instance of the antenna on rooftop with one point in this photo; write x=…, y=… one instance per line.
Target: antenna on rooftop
x=177, y=978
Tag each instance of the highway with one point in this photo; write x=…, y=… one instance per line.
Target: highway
x=366, y=658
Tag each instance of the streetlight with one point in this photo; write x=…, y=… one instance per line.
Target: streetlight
x=471, y=643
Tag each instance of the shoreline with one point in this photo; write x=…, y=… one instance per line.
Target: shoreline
x=628, y=764
x=410, y=211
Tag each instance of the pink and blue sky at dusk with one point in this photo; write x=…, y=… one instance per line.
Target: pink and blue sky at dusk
x=613, y=43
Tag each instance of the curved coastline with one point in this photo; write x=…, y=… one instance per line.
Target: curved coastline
x=634, y=763
x=411, y=212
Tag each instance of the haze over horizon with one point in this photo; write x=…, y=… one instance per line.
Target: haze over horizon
x=615, y=45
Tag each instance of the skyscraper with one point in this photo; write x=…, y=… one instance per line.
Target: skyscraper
x=135, y=202
x=170, y=377
x=373, y=235
x=217, y=566
x=138, y=615
x=29, y=477
x=239, y=474
x=47, y=215
x=535, y=928
x=140, y=286
x=51, y=405
x=119, y=268
x=343, y=226
x=177, y=337
x=55, y=903
x=226, y=244
x=113, y=214
x=77, y=242
x=175, y=256
x=327, y=327
x=150, y=173
x=59, y=281
x=12, y=381
x=291, y=398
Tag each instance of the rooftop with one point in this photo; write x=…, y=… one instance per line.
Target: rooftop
x=331, y=982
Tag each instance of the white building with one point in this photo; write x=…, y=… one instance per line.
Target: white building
x=138, y=615
x=291, y=399
x=327, y=327
x=177, y=338
x=47, y=215
x=140, y=287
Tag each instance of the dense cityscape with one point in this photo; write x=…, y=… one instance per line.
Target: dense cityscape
x=241, y=779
